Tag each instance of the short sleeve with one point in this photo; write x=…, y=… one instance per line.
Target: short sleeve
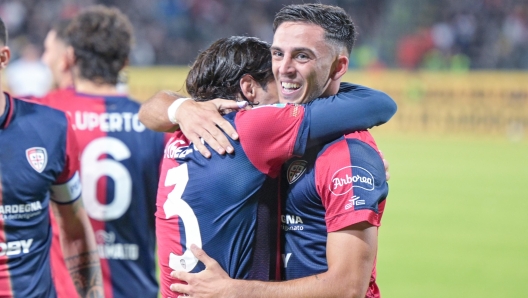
x=67, y=187
x=350, y=179
x=272, y=134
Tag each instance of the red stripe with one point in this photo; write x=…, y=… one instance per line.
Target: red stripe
x=5, y=280
x=100, y=226
x=68, y=101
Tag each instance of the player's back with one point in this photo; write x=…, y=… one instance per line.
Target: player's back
x=214, y=203
x=329, y=188
x=33, y=157
x=119, y=168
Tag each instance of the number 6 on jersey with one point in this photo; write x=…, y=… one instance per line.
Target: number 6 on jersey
x=174, y=205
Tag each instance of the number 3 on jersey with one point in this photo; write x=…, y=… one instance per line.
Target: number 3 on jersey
x=174, y=205
x=93, y=168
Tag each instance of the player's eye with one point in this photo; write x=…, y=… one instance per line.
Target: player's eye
x=302, y=56
x=277, y=54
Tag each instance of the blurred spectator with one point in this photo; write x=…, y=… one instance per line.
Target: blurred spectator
x=431, y=34
x=28, y=76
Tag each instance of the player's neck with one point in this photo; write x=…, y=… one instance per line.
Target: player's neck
x=90, y=87
x=65, y=82
x=331, y=89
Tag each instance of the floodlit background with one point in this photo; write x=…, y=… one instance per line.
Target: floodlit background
x=456, y=222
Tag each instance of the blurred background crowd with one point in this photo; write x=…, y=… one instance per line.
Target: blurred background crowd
x=453, y=35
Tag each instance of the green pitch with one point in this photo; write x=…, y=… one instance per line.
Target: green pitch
x=456, y=222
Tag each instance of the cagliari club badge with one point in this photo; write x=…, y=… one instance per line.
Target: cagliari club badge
x=295, y=170
x=37, y=158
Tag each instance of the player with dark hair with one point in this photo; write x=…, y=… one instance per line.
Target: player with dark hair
x=335, y=192
x=38, y=171
x=120, y=158
x=54, y=56
x=217, y=71
x=223, y=203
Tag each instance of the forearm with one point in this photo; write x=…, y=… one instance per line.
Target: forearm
x=350, y=254
x=316, y=286
x=80, y=250
x=153, y=112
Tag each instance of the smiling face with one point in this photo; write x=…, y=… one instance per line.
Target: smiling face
x=302, y=62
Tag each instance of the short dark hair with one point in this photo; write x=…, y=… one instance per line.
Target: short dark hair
x=101, y=38
x=337, y=24
x=3, y=33
x=217, y=71
x=61, y=29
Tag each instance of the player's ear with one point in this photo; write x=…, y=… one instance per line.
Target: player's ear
x=340, y=67
x=5, y=56
x=70, y=57
x=248, y=86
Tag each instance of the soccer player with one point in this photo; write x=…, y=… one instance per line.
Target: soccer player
x=54, y=56
x=38, y=171
x=120, y=158
x=336, y=192
x=216, y=202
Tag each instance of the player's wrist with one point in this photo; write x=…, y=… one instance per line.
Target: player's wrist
x=173, y=108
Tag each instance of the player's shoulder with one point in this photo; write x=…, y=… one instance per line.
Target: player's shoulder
x=360, y=90
x=174, y=145
x=38, y=117
x=363, y=136
x=359, y=144
x=42, y=111
x=288, y=109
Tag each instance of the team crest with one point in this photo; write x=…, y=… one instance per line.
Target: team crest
x=295, y=170
x=37, y=158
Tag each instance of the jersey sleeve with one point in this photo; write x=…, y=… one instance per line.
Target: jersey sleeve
x=272, y=134
x=67, y=187
x=353, y=108
x=350, y=179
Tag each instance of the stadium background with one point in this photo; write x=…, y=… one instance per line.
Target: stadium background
x=456, y=223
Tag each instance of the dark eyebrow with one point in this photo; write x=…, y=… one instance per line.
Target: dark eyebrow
x=295, y=50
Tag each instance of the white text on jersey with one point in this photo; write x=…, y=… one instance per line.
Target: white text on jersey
x=107, y=122
x=13, y=248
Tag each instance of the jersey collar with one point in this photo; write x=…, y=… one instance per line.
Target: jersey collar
x=6, y=118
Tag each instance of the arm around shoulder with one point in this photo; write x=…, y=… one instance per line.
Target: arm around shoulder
x=153, y=112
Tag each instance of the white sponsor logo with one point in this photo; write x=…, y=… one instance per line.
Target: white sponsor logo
x=355, y=201
x=292, y=222
x=176, y=149
x=291, y=219
x=107, y=122
x=37, y=158
x=118, y=251
x=286, y=259
x=20, y=209
x=13, y=248
x=342, y=182
x=295, y=170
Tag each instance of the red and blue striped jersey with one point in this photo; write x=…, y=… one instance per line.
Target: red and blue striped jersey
x=38, y=162
x=120, y=163
x=330, y=188
x=222, y=204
